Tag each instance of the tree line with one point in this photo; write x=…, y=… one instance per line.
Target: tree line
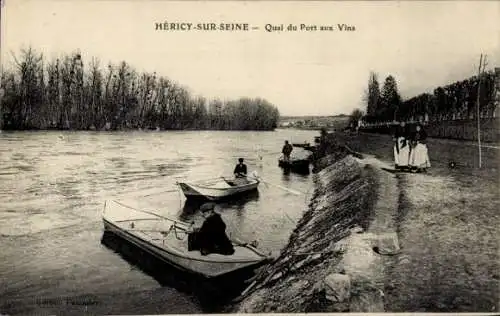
x=450, y=102
x=64, y=93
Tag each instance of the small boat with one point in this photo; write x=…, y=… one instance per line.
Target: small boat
x=296, y=165
x=309, y=148
x=305, y=146
x=167, y=240
x=301, y=145
x=217, y=189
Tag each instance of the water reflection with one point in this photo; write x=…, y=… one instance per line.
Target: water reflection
x=53, y=189
x=286, y=174
x=191, y=206
x=212, y=294
x=298, y=169
x=286, y=171
x=241, y=201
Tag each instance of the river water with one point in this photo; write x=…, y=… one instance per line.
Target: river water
x=53, y=186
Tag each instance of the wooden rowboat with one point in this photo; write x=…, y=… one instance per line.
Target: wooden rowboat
x=167, y=240
x=295, y=165
x=216, y=189
x=301, y=145
x=305, y=146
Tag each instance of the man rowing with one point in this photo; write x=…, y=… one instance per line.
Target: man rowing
x=240, y=173
x=211, y=236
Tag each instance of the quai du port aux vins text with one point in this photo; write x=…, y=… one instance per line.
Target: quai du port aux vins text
x=187, y=26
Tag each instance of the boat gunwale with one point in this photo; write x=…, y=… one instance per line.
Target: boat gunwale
x=120, y=232
x=256, y=182
x=181, y=255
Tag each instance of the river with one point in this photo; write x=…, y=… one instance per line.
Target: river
x=53, y=186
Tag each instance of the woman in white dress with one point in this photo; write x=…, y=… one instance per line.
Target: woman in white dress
x=401, y=147
x=419, y=156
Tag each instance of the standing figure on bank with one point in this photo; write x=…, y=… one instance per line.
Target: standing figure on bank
x=401, y=147
x=286, y=151
x=419, y=156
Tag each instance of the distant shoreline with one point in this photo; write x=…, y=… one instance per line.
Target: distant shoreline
x=134, y=130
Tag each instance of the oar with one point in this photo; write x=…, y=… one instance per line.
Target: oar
x=277, y=185
x=177, y=183
x=154, y=214
x=161, y=192
x=282, y=187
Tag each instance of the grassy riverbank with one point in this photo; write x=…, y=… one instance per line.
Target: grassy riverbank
x=389, y=242
x=448, y=231
x=447, y=227
x=294, y=282
x=343, y=200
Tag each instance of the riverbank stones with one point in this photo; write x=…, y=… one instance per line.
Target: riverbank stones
x=388, y=244
x=337, y=287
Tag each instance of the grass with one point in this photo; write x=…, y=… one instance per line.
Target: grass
x=447, y=224
x=441, y=152
x=343, y=199
x=449, y=236
x=448, y=229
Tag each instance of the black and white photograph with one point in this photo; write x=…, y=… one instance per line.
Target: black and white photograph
x=237, y=157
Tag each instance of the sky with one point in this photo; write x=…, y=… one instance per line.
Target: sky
x=423, y=44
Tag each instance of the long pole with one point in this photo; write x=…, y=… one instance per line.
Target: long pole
x=478, y=111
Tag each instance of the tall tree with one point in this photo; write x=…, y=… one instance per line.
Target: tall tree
x=373, y=95
x=29, y=70
x=94, y=94
x=354, y=118
x=390, y=100
x=63, y=94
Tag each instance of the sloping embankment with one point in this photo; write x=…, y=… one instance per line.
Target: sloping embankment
x=329, y=264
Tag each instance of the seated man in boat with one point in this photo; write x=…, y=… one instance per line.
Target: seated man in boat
x=286, y=151
x=240, y=173
x=211, y=236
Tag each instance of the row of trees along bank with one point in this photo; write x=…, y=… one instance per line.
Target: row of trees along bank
x=65, y=94
x=457, y=101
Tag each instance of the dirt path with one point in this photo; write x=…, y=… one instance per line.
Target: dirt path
x=370, y=252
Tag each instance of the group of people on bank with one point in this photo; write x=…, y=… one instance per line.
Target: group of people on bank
x=410, y=149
